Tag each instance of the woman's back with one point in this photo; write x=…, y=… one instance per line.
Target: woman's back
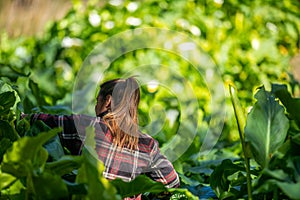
x=119, y=162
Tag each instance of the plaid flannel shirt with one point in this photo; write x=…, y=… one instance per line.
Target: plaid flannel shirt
x=119, y=163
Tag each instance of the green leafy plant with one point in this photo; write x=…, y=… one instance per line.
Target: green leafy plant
x=249, y=46
x=240, y=118
x=267, y=134
x=266, y=127
x=34, y=166
x=25, y=161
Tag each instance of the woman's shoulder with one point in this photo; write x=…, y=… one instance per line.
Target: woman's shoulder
x=147, y=143
x=84, y=121
x=87, y=118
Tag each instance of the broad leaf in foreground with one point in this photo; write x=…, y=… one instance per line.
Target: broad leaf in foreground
x=140, y=184
x=27, y=155
x=90, y=172
x=266, y=127
x=23, y=168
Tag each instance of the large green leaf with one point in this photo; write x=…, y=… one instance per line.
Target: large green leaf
x=5, y=143
x=12, y=190
x=7, y=101
x=139, y=185
x=64, y=165
x=27, y=156
x=290, y=189
x=36, y=128
x=266, y=127
x=282, y=173
x=49, y=186
x=7, y=131
x=6, y=180
x=143, y=184
x=37, y=93
x=291, y=104
x=90, y=172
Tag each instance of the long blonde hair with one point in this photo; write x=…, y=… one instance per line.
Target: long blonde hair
x=122, y=118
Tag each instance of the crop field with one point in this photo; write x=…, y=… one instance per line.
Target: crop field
x=219, y=83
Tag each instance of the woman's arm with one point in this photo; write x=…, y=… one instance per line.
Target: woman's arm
x=69, y=136
x=162, y=169
x=53, y=121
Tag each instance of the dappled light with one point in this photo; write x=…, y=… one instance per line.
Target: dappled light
x=219, y=82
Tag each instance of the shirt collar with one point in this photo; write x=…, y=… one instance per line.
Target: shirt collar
x=101, y=115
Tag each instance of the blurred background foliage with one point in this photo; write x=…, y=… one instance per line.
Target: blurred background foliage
x=252, y=43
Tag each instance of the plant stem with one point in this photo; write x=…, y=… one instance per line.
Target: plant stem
x=241, y=122
x=248, y=178
x=275, y=197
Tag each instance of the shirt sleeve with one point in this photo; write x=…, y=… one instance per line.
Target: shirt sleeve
x=69, y=136
x=162, y=169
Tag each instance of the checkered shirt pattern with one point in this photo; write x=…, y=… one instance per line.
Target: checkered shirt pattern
x=119, y=162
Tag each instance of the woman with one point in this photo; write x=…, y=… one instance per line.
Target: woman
x=124, y=150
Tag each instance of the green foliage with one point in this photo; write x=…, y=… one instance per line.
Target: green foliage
x=283, y=171
x=8, y=133
x=139, y=185
x=90, y=173
x=25, y=168
x=241, y=122
x=225, y=176
x=26, y=160
x=266, y=127
x=273, y=145
x=249, y=47
x=292, y=105
x=238, y=111
x=7, y=101
x=26, y=155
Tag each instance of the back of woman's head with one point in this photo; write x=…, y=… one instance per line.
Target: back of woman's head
x=122, y=118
